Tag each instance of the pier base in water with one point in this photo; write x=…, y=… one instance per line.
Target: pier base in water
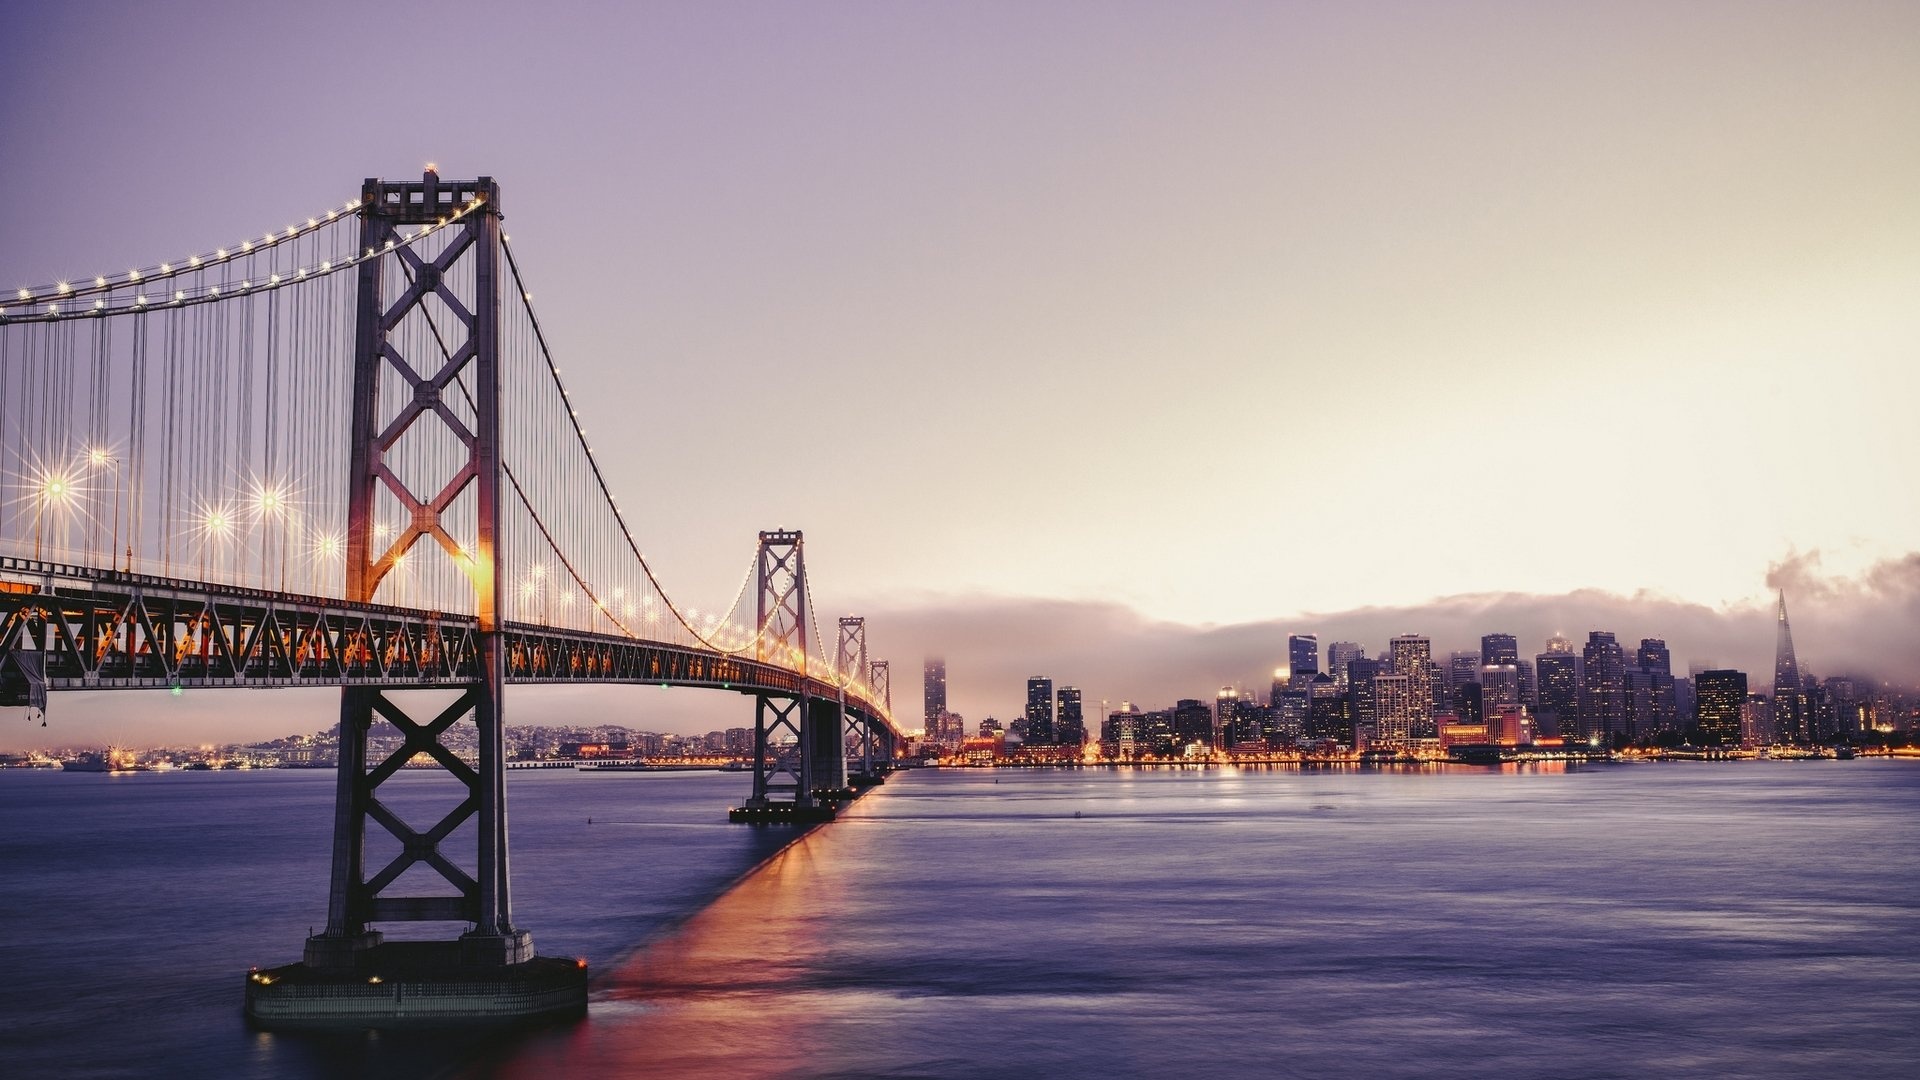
x=415, y=984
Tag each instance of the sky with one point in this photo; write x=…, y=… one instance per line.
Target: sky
x=1188, y=325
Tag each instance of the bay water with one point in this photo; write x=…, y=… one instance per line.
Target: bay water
x=1702, y=919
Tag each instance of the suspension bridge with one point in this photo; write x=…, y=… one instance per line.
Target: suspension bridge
x=341, y=453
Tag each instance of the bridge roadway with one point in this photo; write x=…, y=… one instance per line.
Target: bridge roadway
x=99, y=629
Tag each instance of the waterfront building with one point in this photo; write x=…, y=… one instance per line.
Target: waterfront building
x=1558, y=698
x=1722, y=697
x=1069, y=724
x=949, y=730
x=1509, y=724
x=1527, y=695
x=1286, y=721
x=1326, y=711
x=1359, y=688
x=1413, y=657
x=1226, y=714
x=1120, y=732
x=1394, y=703
x=1603, y=693
x=1192, y=723
x=1039, y=711
x=1303, y=659
x=1756, y=721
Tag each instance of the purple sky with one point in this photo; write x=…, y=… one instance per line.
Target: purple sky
x=1187, y=324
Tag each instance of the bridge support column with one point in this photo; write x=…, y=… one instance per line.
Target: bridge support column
x=826, y=751
x=782, y=770
x=350, y=977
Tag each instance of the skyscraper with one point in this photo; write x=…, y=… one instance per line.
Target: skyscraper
x=1603, y=695
x=1462, y=668
x=1326, y=711
x=1723, y=699
x=1360, y=674
x=936, y=687
x=1394, y=701
x=1413, y=657
x=1558, y=672
x=1499, y=649
x=1040, y=711
x=1069, y=726
x=1339, y=655
x=1789, y=696
x=1226, y=715
x=1651, y=702
x=1303, y=659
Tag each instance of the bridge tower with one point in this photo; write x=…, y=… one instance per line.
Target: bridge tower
x=784, y=764
x=851, y=659
x=448, y=393
x=880, y=684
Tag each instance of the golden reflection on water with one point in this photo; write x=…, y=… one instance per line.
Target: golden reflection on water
x=723, y=995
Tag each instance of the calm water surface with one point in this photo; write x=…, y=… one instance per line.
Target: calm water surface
x=1709, y=920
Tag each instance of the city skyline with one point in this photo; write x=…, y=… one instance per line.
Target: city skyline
x=1245, y=320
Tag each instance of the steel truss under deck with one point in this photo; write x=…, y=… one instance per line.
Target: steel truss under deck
x=107, y=630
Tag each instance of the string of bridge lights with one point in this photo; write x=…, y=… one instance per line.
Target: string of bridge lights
x=710, y=637
x=60, y=297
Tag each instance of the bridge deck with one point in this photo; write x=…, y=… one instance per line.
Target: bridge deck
x=96, y=629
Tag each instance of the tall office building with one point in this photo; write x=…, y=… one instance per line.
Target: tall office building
x=1499, y=649
x=1394, y=701
x=1069, y=725
x=1226, y=716
x=1339, y=655
x=1413, y=657
x=1303, y=660
x=1722, y=699
x=1603, y=694
x=1192, y=723
x=1326, y=711
x=1558, y=675
x=1789, y=695
x=1500, y=685
x=1651, y=701
x=1361, y=709
x=1040, y=711
x=936, y=687
x=1462, y=668
x=1287, y=718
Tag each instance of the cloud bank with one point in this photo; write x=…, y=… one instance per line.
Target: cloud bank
x=1869, y=624
x=1863, y=624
